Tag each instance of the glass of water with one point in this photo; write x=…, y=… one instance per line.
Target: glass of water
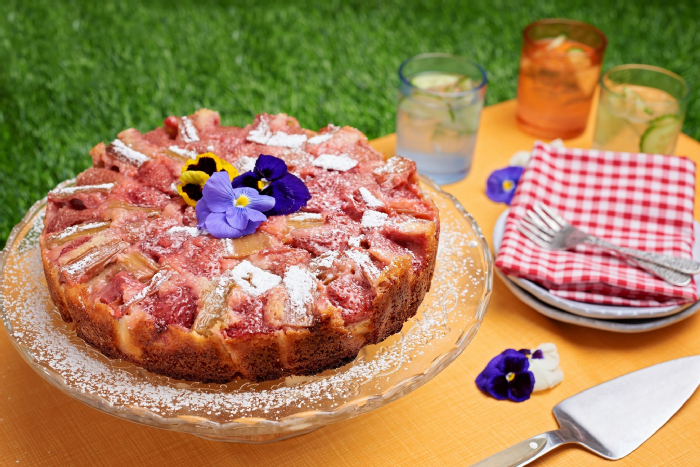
x=440, y=102
x=641, y=109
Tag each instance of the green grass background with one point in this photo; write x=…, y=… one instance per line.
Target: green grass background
x=73, y=73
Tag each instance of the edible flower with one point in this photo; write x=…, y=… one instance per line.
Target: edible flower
x=501, y=184
x=515, y=374
x=271, y=177
x=544, y=364
x=228, y=212
x=196, y=172
x=507, y=376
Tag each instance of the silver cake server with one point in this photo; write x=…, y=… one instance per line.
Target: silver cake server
x=613, y=418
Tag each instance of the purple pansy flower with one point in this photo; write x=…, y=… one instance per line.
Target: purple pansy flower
x=228, y=212
x=507, y=377
x=271, y=177
x=501, y=184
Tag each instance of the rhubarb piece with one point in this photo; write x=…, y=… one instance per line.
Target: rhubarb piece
x=139, y=266
x=125, y=154
x=305, y=220
x=245, y=246
x=158, y=279
x=70, y=191
x=71, y=233
x=86, y=265
x=214, y=308
x=119, y=204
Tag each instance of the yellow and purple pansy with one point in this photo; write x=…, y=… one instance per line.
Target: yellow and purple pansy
x=196, y=172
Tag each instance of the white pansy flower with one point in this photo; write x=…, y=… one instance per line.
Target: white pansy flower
x=544, y=365
x=557, y=143
x=521, y=158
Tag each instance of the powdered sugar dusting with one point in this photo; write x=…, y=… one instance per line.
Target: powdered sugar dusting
x=369, y=199
x=191, y=231
x=252, y=279
x=342, y=163
x=189, y=132
x=325, y=260
x=300, y=284
x=126, y=154
x=364, y=262
x=391, y=166
x=263, y=135
x=305, y=216
x=373, y=219
x=74, y=190
x=318, y=139
x=183, y=152
x=355, y=241
x=284, y=140
x=245, y=164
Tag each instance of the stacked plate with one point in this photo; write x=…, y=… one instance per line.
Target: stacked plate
x=608, y=317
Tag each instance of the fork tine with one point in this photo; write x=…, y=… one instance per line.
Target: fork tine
x=553, y=214
x=544, y=236
x=543, y=215
x=535, y=219
x=533, y=238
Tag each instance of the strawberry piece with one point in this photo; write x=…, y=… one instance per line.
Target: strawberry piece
x=353, y=296
x=97, y=176
x=67, y=217
x=250, y=313
x=177, y=306
x=159, y=174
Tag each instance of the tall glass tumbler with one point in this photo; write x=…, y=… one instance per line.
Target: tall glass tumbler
x=440, y=102
x=641, y=109
x=559, y=70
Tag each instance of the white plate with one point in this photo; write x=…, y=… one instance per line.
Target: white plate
x=624, y=326
x=591, y=310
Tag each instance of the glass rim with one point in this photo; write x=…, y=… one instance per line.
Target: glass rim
x=571, y=22
x=484, y=78
x=644, y=67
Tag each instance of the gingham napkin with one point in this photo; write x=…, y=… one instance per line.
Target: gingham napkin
x=642, y=201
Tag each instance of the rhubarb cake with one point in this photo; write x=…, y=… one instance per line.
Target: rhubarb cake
x=127, y=261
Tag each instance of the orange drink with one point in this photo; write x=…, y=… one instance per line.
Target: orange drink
x=559, y=70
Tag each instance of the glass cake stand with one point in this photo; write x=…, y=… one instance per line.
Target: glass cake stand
x=242, y=411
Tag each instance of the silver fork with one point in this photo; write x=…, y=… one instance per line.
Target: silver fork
x=549, y=230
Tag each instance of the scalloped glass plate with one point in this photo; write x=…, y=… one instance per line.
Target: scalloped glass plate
x=242, y=411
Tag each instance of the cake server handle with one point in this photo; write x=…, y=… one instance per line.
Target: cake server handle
x=526, y=451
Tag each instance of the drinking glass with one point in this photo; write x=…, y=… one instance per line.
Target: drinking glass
x=440, y=102
x=641, y=109
x=559, y=70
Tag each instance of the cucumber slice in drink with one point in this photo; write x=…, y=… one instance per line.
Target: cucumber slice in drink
x=434, y=80
x=425, y=106
x=660, y=135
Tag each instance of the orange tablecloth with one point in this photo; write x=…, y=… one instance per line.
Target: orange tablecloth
x=445, y=422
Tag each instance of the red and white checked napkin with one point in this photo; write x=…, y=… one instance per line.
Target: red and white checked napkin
x=642, y=201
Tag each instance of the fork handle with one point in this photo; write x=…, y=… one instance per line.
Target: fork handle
x=671, y=276
x=687, y=266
